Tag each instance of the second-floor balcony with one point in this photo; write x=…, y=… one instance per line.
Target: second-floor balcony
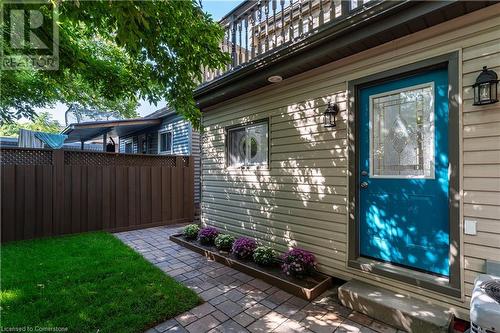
x=256, y=28
x=267, y=38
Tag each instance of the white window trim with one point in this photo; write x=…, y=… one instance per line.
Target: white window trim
x=259, y=166
x=166, y=152
x=125, y=142
x=433, y=162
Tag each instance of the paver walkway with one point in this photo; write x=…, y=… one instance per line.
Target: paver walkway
x=237, y=302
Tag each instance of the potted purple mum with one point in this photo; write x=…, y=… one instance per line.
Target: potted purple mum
x=298, y=262
x=207, y=235
x=243, y=247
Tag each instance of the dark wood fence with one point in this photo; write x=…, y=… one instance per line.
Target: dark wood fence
x=54, y=192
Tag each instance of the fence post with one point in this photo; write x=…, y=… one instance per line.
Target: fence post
x=58, y=188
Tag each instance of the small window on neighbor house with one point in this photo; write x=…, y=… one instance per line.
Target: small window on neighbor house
x=248, y=145
x=165, y=142
x=128, y=147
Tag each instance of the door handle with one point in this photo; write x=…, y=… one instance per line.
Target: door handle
x=363, y=185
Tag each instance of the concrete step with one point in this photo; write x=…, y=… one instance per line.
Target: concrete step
x=395, y=309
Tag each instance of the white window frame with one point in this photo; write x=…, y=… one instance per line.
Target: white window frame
x=243, y=165
x=433, y=134
x=127, y=141
x=166, y=152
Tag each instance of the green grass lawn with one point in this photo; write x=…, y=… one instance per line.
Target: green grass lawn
x=87, y=283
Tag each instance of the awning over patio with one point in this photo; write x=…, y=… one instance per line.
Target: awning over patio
x=90, y=130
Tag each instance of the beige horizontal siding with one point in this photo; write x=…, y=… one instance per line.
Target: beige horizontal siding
x=481, y=170
x=301, y=199
x=196, y=152
x=482, y=144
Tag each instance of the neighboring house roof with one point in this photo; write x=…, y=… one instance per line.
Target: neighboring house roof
x=161, y=113
x=89, y=130
x=92, y=129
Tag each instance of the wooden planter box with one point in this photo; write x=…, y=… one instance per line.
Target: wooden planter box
x=308, y=288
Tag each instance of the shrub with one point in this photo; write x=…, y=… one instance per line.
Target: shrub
x=191, y=231
x=207, y=235
x=264, y=255
x=298, y=262
x=224, y=242
x=243, y=247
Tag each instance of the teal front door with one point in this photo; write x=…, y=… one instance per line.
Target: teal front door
x=403, y=172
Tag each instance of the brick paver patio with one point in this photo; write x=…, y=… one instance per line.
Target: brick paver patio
x=236, y=302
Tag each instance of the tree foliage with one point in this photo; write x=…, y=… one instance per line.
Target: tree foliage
x=78, y=114
x=42, y=122
x=114, y=53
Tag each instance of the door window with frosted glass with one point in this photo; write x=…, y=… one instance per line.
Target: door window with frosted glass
x=402, y=133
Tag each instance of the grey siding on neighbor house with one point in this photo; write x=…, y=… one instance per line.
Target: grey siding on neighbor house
x=181, y=130
x=181, y=136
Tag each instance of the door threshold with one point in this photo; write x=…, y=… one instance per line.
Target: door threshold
x=424, y=280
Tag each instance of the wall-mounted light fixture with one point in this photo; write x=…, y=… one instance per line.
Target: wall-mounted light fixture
x=330, y=114
x=485, y=88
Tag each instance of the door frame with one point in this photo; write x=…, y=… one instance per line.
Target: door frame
x=452, y=285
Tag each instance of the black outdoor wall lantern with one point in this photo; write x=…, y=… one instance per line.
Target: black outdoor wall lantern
x=330, y=114
x=485, y=88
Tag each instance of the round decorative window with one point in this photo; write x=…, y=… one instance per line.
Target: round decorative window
x=254, y=147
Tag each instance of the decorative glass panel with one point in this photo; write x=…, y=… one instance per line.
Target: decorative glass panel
x=256, y=140
x=237, y=147
x=402, y=133
x=248, y=145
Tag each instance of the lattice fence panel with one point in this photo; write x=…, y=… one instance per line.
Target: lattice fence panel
x=25, y=157
x=101, y=159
